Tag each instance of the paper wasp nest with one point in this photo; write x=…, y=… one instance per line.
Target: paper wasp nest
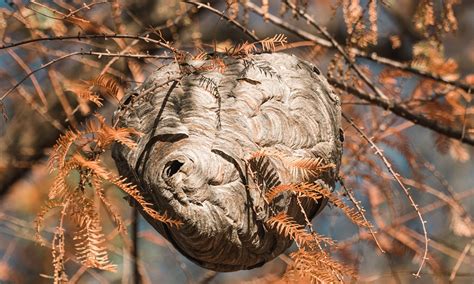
x=202, y=123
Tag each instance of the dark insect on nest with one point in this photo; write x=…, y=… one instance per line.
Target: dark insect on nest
x=222, y=147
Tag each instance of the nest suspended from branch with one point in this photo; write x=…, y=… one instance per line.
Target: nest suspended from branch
x=216, y=140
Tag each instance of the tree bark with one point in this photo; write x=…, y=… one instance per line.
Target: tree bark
x=200, y=129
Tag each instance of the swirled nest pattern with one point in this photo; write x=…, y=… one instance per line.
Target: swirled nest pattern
x=201, y=126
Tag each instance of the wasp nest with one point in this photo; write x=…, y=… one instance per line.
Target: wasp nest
x=203, y=123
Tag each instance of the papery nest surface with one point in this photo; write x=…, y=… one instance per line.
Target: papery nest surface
x=198, y=160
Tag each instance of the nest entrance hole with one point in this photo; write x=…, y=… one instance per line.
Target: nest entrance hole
x=173, y=167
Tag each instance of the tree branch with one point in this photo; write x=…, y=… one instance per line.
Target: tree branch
x=339, y=49
x=401, y=110
x=251, y=34
x=396, y=176
x=89, y=53
x=80, y=37
x=357, y=52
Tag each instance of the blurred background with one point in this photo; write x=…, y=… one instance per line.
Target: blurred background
x=38, y=108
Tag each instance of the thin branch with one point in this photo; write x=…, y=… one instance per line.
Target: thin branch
x=455, y=205
x=134, y=247
x=207, y=277
x=402, y=111
x=87, y=62
x=339, y=48
x=144, y=34
x=251, y=34
x=395, y=175
x=36, y=70
x=125, y=55
x=437, y=245
x=308, y=223
x=90, y=53
x=85, y=6
x=448, y=187
x=62, y=15
x=41, y=110
x=58, y=90
x=27, y=69
x=361, y=212
x=80, y=37
x=357, y=52
x=431, y=207
x=459, y=261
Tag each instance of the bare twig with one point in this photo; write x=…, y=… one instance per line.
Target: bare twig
x=80, y=37
x=90, y=53
x=85, y=6
x=455, y=205
x=448, y=187
x=207, y=277
x=357, y=52
x=27, y=69
x=251, y=34
x=36, y=70
x=134, y=247
x=402, y=111
x=431, y=207
x=41, y=110
x=136, y=41
x=361, y=212
x=437, y=245
x=396, y=176
x=339, y=48
x=68, y=109
x=63, y=16
x=459, y=261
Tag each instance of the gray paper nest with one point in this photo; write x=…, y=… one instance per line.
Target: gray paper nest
x=200, y=129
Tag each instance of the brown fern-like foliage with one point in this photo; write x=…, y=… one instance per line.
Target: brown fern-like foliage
x=316, y=192
x=263, y=173
x=351, y=213
x=268, y=44
x=89, y=240
x=104, y=85
x=79, y=152
x=307, y=167
x=312, y=262
x=317, y=267
x=311, y=190
x=287, y=226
